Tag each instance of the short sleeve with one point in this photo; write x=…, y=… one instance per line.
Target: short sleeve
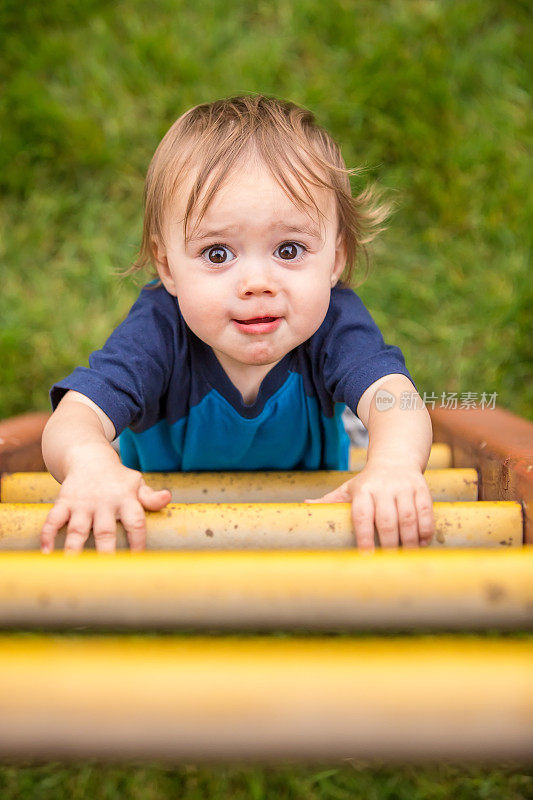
x=130, y=374
x=350, y=350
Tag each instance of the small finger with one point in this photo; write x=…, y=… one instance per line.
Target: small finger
x=387, y=522
x=363, y=521
x=426, y=518
x=407, y=519
x=78, y=531
x=153, y=500
x=57, y=517
x=134, y=522
x=105, y=531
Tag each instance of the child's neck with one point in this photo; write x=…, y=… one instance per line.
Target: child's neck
x=246, y=378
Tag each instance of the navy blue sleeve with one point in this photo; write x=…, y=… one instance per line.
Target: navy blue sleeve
x=350, y=352
x=130, y=374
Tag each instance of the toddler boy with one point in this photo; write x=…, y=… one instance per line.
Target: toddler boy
x=246, y=350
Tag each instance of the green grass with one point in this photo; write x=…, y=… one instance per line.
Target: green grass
x=287, y=782
x=431, y=96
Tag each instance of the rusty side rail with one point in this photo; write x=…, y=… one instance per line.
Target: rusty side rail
x=499, y=445
x=20, y=442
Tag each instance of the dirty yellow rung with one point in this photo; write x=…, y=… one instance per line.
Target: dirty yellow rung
x=439, y=458
x=292, y=526
x=238, y=487
x=325, y=590
x=184, y=699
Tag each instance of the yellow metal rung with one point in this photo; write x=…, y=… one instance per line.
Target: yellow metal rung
x=314, y=590
x=212, y=699
x=292, y=526
x=238, y=487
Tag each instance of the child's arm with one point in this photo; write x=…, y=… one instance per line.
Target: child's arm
x=391, y=492
x=96, y=488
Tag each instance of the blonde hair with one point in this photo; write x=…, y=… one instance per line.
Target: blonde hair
x=210, y=139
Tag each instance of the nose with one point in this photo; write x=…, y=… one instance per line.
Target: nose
x=256, y=279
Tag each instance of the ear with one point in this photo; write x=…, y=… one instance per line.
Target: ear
x=340, y=259
x=159, y=253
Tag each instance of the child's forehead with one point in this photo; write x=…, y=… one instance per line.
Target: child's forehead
x=251, y=192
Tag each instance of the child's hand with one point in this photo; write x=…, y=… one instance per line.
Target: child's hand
x=394, y=498
x=93, y=497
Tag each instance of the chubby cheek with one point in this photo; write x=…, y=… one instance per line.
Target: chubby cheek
x=202, y=310
x=311, y=307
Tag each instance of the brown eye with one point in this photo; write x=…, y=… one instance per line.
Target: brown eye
x=218, y=254
x=288, y=251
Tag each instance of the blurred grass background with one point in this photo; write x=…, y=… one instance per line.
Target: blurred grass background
x=430, y=96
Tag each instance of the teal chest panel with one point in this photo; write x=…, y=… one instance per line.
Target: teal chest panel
x=290, y=433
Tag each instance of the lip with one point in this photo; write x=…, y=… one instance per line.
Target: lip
x=255, y=325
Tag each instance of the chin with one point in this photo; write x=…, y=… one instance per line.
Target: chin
x=261, y=357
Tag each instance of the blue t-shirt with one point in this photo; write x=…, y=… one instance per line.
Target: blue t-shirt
x=175, y=408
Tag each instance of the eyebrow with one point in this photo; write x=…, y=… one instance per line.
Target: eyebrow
x=218, y=233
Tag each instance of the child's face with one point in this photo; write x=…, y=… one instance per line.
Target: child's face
x=254, y=279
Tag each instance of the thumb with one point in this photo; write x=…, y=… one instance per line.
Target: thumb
x=340, y=495
x=153, y=500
